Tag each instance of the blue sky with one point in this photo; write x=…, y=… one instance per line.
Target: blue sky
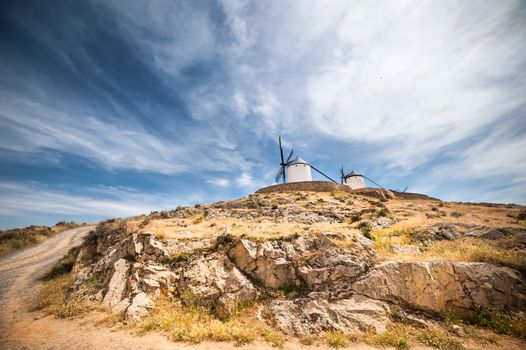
x=115, y=108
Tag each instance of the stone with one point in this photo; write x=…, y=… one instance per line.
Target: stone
x=439, y=286
x=140, y=305
x=306, y=316
x=117, y=286
x=405, y=249
x=214, y=281
x=329, y=266
x=269, y=262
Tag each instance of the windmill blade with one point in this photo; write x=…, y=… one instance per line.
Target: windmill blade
x=281, y=151
x=279, y=174
x=290, y=155
x=405, y=189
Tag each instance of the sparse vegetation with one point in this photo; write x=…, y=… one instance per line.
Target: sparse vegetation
x=337, y=339
x=394, y=337
x=438, y=338
x=19, y=238
x=480, y=250
x=499, y=322
x=196, y=324
x=53, y=299
x=307, y=339
x=64, y=266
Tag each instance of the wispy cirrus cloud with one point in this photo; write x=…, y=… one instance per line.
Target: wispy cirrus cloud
x=404, y=91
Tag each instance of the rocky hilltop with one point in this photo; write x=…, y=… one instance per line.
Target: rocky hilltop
x=311, y=262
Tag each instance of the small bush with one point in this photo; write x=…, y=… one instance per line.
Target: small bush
x=439, y=339
x=129, y=257
x=383, y=213
x=308, y=339
x=366, y=229
x=395, y=338
x=289, y=288
x=337, y=339
x=64, y=266
x=356, y=218
x=198, y=218
x=456, y=214
x=499, y=322
x=276, y=338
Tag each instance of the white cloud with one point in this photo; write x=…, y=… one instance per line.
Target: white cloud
x=219, y=182
x=19, y=199
x=245, y=180
x=115, y=144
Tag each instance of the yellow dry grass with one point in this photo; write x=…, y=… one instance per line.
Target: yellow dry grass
x=196, y=324
x=53, y=299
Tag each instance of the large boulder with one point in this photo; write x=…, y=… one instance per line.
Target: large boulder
x=116, y=294
x=439, y=286
x=140, y=305
x=214, y=281
x=272, y=263
x=307, y=316
x=327, y=265
x=153, y=279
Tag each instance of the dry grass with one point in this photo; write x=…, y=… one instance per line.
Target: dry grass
x=195, y=324
x=337, y=339
x=19, y=238
x=438, y=338
x=498, y=322
x=395, y=337
x=53, y=299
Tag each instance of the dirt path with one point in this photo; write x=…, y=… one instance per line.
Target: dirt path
x=22, y=329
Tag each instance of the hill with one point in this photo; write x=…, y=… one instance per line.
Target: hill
x=330, y=267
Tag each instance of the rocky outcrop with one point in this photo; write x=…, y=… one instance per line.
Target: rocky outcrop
x=272, y=263
x=440, y=286
x=328, y=281
x=306, y=315
x=215, y=282
x=329, y=266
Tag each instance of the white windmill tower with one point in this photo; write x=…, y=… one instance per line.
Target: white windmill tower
x=353, y=179
x=299, y=170
x=295, y=170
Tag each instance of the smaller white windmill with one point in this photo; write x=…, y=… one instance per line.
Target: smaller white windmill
x=353, y=179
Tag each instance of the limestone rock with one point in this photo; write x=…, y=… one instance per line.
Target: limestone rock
x=214, y=281
x=153, y=279
x=304, y=315
x=326, y=265
x=117, y=286
x=139, y=307
x=439, y=286
x=405, y=249
x=270, y=262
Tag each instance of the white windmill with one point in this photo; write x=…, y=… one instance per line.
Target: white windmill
x=296, y=170
x=353, y=179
